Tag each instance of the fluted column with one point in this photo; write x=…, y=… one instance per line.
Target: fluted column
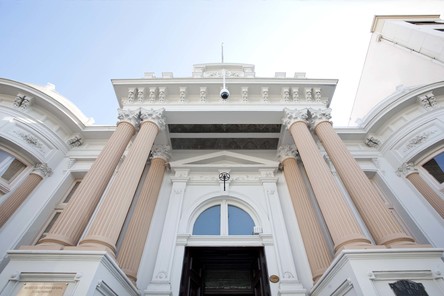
x=131, y=251
x=377, y=217
x=412, y=174
x=342, y=224
x=9, y=206
x=106, y=227
x=315, y=244
x=72, y=222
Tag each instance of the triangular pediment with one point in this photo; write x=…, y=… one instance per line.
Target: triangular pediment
x=224, y=159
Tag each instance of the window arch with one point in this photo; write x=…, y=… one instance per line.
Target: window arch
x=224, y=218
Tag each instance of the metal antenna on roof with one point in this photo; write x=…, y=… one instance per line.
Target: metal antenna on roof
x=224, y=93
x=222, y=51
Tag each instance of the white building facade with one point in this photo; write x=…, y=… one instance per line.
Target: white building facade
x=192, y=194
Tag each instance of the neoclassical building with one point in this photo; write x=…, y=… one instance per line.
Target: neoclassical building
x=256, y=194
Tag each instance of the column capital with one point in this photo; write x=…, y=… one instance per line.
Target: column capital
x=155, y=116
x=161, y=151
x=319, y=115
x=292, y=116
x=287, y=151
x=130, y=116
x=42, y=169
x=406, y=169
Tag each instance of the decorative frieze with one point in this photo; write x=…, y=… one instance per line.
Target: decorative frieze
x=264, y=92
x=130, y=116
x=406, y=169
x=291, y=116
x=140, y=94
x=182, y=94
x=203, y=94
x=152, y=94
x=427, y=100
x=131, y=94
x=162, y=94
x=419, y=139
x=42, y=169
x=245, y=94
x=286, y=94
x=295, y=94
x=22, y=101
x=75, y=141
x=317, y=94
x=155, y=116
x=308, y=94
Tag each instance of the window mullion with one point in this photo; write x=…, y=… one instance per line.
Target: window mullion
x=224, y=218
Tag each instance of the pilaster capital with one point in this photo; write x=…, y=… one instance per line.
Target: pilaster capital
x=42, y=169
x=130, y=116
x=292, y=116
x=287, y=151
x=406, y=169
x=319, y=115
x=161, y=151
x=155, y=116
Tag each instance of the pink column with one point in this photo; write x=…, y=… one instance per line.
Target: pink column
x=131, y=251
x=412, y=174
x=107, y=224
x=72, y=222
x=380, y=222
x=315, y=244
x=9, y=206
x=341, y=222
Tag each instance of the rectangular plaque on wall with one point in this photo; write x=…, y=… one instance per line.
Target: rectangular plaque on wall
x=408, y=288
x=43, y=289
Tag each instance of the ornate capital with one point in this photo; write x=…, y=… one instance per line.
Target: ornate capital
x=292, y=116
x=161, y=151
x=320, y=115
x=22, y=101
x=42, y=169
x=406, y=169
x=295, y=94
x=75, y=141
x=427, y=100
x=140, y=94
x=155, y=116
x=130, y=116
x=287, y=151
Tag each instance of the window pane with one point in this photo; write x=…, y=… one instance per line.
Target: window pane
x=239, y=222
x=208, y=223
x=435, y=167
x=10, y=167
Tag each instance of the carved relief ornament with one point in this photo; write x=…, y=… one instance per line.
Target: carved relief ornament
x=427, y=100
x=155, y=116
x=22, y=101
x=75, y=141
x=292, y=116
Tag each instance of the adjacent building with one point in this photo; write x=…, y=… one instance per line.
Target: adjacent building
x=256, y=194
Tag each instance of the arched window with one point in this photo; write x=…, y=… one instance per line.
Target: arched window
x=224, y=219
x=435, y=167
x=10, y=169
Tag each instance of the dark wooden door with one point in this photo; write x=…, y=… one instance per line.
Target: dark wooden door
x=224, y=271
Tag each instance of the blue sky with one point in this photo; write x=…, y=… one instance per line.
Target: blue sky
x=79, y=46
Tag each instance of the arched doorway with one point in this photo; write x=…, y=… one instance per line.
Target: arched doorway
x=224, y=271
